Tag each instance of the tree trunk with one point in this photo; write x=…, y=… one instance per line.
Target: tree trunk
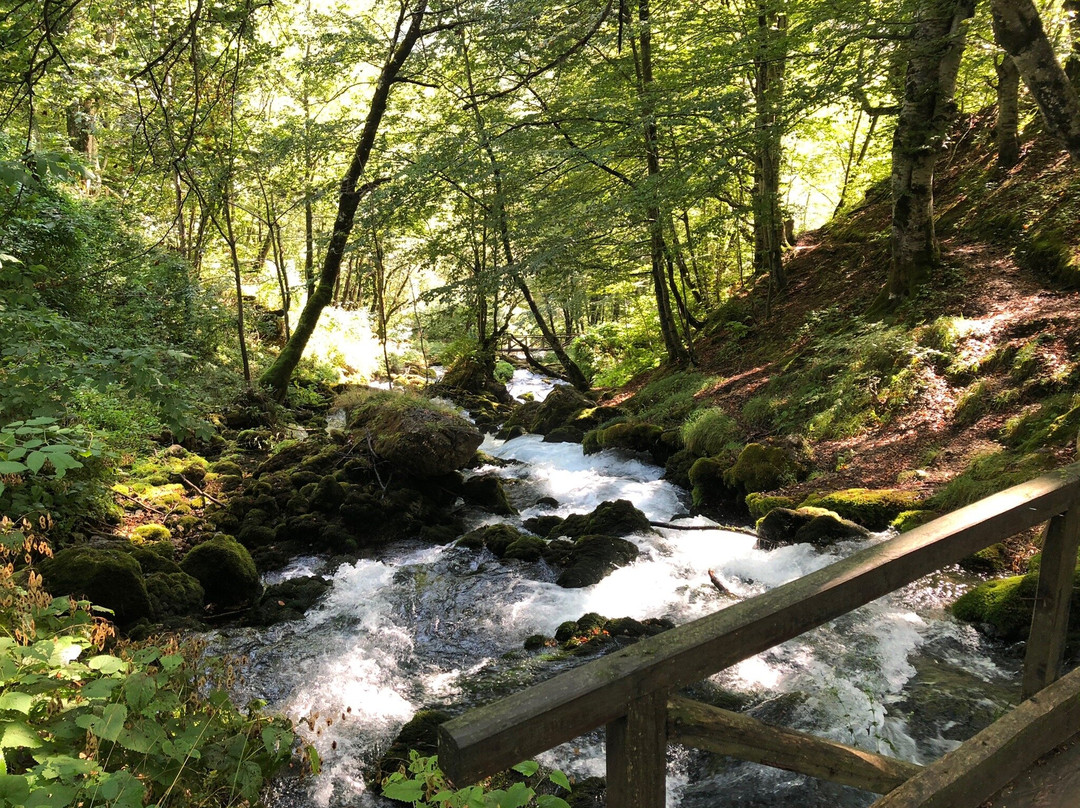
x=1018, y=29
x=926, y=113
x=230, y=236
x=277, y=376
x=1008, y=120
x=769, y=67
x=1072, y=63
x=673, y=343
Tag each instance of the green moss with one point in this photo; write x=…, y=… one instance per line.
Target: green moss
x=1005, y=604
x=989, y=473
x=668, y=400
x=157, y=557
x=150, y=533
x=636, y=437
x=108, y=578
x=992, y=560
x=707, y=478
x=227, y=467
x=760, y=504
x=225, y=569
x=710, y=431
x=174, y=594
x=761, y=468
x=871, y=508
x=526, y=548
x=906, y=520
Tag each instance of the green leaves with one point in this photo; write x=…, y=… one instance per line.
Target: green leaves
x=424, y=785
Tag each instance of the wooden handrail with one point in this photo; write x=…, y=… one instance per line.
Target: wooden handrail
x=624, y=688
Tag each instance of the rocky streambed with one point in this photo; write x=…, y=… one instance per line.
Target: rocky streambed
x=424, y=619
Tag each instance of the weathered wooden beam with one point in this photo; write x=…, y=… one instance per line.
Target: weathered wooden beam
x=978, y=768
x=701, y=726
x=637, y=755
x=1050, y=620
x=498, y=735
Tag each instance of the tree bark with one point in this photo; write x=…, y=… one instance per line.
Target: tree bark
x=1072, y=63
x=276, y=378
x=1008, y=120
x=1019, y=30
x=925, y=115
x=673, y=343
x=770, y=63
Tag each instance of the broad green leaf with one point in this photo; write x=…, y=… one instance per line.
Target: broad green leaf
x=559, y=779
x=122, y=789
x=19, y=734
x=517, y=796
x=11, y=467
x=107, y=664
x=143, y=736
x=550, y=801
x=14, y=789
x=35, y=460
x=139, y=690
x=527, y=767
x=109, y=726
x=52, y=795
x=99, y=689
x=313, y=759
x=404, y=791
x=17, y=702
x=172, y=662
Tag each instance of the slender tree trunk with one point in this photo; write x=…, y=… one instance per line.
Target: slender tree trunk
x=1019, y=30
x=502, y=227
x=230, y=236
x=1008, y=119
x=378, y=284
x=277, y=376
x=769, y=68
x=673, y=343
x=927, y=112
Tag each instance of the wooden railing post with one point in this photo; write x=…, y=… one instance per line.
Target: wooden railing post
x=1049, y=622
x=637, y=754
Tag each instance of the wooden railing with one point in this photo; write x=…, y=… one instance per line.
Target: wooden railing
x=632, y=692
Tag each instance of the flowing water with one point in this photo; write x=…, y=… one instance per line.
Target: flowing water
x=424, y=626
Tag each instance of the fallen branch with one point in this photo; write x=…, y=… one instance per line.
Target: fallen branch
x=200, y=492
x=139, y=502
x=719, y=584
x=733, y=528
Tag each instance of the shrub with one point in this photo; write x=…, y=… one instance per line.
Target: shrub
x=423, y=784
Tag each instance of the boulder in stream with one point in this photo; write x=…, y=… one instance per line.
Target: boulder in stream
x=108, y=577
x=594, y=558
x=225, y=569
x=816, y=526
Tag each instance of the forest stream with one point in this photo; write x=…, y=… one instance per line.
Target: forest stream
x=422, y=626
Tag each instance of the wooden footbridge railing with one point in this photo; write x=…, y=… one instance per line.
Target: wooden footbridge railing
x=632, y=692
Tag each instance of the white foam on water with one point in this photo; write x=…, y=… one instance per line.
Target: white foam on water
x=525, y=381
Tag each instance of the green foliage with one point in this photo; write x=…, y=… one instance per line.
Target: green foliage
x=137, y=725
x=503, y=371
x=424, y=785
x=989, y=473
x=49, y=471
x=710, y=431
x=668, y=400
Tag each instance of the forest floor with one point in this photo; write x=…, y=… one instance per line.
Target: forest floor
x=1009, y=243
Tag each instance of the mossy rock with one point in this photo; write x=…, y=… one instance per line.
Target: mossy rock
x=150, y=533
x=992, y=560
x=526, y=548
x=415, y=437
x=907, y=520
x=677, y=468
x=174, y=594
x=594, y=558
x=784, y=526
x=638, y=436
x=873, y=508
x=760, y=504
x=560, y=408
x=487, y=492
x=611, y=518
x=226, y=468
x=288, y=600
x=225, y=569
x=230, y=482
x=327, y=495
x=158, y=557
x=564, y=434
x=709, y=484
x=496, y=538
x=1004, y=605
x=542, y=525
x=107, y=577
x=760, y=467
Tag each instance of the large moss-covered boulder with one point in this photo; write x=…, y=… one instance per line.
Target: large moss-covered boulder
x=710, y=487
x=630, y=436
x=874, y=508
x=156, y=557
x=174, y=594
x=560, y=407
x=761, y=467
x=107, y=577
x=496, y=538
x=1004, y=606
x=612, y=518
x=288, y=600
x=414, y=436
x=816, y=526
x=593, y=558
x=225, y=569
x=486, y=491
x=760, y=504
